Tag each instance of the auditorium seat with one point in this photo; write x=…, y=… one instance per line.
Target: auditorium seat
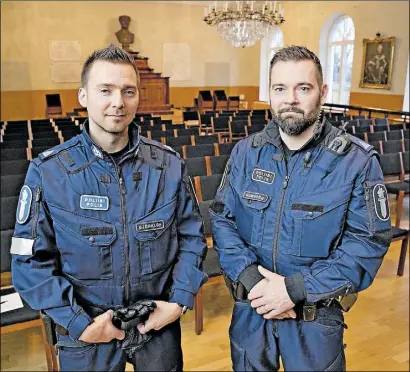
x=14, y=167
x=12, y=184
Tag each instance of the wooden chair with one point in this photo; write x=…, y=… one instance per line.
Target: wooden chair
x=25, y=317
x=205, y=188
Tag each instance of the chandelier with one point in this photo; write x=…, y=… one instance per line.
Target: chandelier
x=246, y=22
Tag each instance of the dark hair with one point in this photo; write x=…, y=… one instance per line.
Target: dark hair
x=296, y=53
x=111, y=54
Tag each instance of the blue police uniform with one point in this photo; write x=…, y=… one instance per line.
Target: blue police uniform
x=321, y=219
x=94, y=233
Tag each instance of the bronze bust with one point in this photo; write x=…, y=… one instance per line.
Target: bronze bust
x=124, y=36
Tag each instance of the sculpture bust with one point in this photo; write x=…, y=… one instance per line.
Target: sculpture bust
x=125, y=36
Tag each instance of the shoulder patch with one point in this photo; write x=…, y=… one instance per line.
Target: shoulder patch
x=24, y=205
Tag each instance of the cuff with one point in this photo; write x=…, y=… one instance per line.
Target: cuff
x=77, y=326
x=295, y=286
x=250, y=277
x=181, y=297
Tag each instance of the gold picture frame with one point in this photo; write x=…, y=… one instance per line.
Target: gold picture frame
x=377, y=62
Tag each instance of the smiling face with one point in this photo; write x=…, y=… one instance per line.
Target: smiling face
x=110, y=96
x=296, y=95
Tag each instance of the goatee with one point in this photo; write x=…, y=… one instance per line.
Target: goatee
x=294, y=126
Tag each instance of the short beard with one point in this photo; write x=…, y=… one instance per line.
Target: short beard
x=294, y=127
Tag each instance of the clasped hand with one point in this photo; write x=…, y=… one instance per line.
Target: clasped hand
x=270, y=298
x=102, y=330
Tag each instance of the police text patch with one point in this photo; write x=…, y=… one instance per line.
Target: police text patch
x=262, y=175
x=94, y=202
x=381, y=203
x=255, y=196
x=150, y=226
x=24, y=205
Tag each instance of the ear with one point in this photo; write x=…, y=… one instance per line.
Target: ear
x=82, y=97
x=323, y=94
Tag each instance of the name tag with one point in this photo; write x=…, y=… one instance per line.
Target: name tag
x=255, y=196
x=262, y=175
x=150, y=226
x=94, y=202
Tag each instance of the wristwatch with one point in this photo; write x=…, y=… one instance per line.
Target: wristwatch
x=184, y=309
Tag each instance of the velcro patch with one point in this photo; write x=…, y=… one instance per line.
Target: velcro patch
x=87, y=231
x=255, y=196
x=24, y=205
x=21, y=246
x=150, y=226
x=262, y=175
x=94, y=202
x=307, y=208
x=381, y=202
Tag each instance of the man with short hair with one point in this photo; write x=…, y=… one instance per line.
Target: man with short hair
x=301, y=223
x=108, y=225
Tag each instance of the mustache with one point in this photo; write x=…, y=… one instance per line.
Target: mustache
x=291, y=109
x=116, y=113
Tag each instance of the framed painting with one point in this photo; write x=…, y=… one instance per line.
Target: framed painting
x=377, y=64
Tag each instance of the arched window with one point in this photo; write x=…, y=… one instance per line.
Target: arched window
x=270, y=44
x=340, y=47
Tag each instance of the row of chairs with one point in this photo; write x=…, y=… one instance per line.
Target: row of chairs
x=16, y=142
x=196, y=115
x=393, y=135
x=392, y=146
x=229, y=130
x=396, y=170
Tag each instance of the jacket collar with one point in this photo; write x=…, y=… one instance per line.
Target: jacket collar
x=271, y=134
x=98, y=152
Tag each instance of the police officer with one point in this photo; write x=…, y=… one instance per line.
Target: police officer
x=105, y=220
x=301, y=218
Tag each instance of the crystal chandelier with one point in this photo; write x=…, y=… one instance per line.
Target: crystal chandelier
x=246, y=23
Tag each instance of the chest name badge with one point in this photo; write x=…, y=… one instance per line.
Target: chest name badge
x=150, y=226
x=24, y=205
x=255, y=196
x=261, y=175
x=381, y=203
x=94, y=202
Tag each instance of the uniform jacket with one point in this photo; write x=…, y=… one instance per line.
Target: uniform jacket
x=320, y=219
x=90, y=231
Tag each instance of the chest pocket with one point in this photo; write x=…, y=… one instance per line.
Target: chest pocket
x=156, y=238
x=251, y=215
x=318, y=220
x=86, y=250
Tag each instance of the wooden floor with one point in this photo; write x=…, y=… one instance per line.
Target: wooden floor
x=377, y=338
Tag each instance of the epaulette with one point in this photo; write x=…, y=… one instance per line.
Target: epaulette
x=364, y=146
x=257, y=139
x=159, y=145
x=54, y=151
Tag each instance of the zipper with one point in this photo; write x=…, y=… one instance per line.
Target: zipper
x=36, y=212
x=276, y=235
x=123, y=191
x=368, y=204
x=278, y=218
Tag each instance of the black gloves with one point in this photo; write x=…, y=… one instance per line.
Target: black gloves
x=127, y=319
